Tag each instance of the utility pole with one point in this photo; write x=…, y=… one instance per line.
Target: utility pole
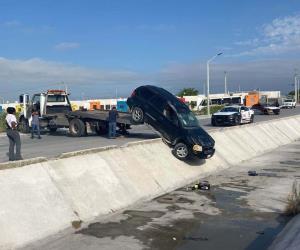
x=225, y=82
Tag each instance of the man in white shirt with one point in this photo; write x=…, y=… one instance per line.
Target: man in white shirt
x=13, y=135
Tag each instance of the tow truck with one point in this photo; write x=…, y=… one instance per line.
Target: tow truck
x=55, y=111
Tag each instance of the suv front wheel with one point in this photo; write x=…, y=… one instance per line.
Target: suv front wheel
x=181, y=151
x=137, y=115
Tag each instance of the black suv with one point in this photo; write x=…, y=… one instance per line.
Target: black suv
x=174, y=121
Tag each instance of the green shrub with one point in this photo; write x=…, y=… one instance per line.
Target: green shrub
x=293, y=201
x=213, y=109
x=2, y=121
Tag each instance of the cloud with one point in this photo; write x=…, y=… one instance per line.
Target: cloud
x=263, y=74
x=66, y=46
x=12, y=24
x=37, y=75
x=34, y=75
x=280, y=36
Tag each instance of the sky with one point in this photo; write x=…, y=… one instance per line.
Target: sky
x=106, y=48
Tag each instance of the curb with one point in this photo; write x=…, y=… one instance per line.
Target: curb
x=22, y=163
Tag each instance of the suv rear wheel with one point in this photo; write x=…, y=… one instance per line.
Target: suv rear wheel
x=181, y=151
x=137, y=114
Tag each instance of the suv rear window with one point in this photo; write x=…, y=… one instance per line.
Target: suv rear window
x=145, y=93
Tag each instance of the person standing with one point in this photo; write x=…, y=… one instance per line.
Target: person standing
x=35, y=124
x=13, y=135
x=112, y=123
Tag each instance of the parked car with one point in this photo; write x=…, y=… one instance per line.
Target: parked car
x=232, y=115
x=265, y=109
x=288, y=103
x=173, y=120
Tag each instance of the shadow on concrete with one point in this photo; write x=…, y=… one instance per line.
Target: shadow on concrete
x=195, y=161
x=266, y=237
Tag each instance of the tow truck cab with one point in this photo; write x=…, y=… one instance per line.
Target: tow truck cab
x=52, y=107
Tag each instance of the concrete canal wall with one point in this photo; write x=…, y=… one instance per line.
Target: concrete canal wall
x=42, y=198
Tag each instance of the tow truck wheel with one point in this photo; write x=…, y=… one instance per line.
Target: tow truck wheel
x=52, y=130
x=181, y=151
x=100, y=130
x=76, y=128
x=24, y=126
x=137, y=115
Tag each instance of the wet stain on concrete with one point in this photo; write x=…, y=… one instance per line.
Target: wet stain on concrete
x=236, y=225
x=296, y=163
x=278, y=170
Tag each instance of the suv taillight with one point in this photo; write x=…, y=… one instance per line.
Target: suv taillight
x=133, y=94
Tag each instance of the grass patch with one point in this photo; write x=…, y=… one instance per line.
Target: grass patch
x=293, y=201
x=213, y=109
x=2, y=121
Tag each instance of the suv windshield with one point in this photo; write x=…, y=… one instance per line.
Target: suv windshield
x=229, y=109
x=187, y=118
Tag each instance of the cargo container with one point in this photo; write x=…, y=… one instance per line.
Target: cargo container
x=122, y=106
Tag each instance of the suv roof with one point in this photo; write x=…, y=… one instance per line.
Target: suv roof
x=162, y=92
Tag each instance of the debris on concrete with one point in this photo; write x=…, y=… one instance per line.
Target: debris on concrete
x=252, y=173
x=76, y=224
x=202, y=185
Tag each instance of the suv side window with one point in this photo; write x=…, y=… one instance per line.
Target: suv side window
x=158, y=102
x=145, y=93
x=243, y=109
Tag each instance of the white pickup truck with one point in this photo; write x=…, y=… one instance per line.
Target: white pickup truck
x=288, y=103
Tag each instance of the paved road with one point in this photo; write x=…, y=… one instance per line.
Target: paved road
x=259, y=118
x=54, y=145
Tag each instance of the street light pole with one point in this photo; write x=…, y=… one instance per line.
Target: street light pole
x=207, y=83
x=296, y=89
x=298, y=80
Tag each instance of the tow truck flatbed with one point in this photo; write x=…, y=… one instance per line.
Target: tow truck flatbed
x=101, y=115
x=97, y=120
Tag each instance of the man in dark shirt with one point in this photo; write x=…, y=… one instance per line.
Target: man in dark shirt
x=35, y=124
x=112, y=123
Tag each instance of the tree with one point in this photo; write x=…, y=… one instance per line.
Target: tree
x=188, y=92
x=292, y=93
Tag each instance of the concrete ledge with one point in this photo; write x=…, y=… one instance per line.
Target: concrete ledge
x=22, y=163
x=131, y=144
x=86, y=151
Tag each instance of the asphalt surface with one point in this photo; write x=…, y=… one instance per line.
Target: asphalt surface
x=53, y=145
x=238, y=212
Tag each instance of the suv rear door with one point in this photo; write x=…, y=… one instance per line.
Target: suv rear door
x=166, y=126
